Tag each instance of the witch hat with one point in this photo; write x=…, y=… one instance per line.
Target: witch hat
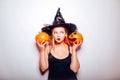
x=58, y=18
x=59, y=21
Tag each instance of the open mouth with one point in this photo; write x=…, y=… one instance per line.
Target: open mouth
x=72, y=39
x=58, y=39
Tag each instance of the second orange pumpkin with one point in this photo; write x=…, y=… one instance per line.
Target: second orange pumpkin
x=75, y=37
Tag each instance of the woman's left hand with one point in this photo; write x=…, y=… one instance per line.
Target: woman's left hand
x=76, y=45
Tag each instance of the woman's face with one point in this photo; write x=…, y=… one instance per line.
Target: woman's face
x=59, y=34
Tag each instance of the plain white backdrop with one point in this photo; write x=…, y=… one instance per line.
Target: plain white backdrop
x=97, y=20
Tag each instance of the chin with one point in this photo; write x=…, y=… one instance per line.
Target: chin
x=58, y=42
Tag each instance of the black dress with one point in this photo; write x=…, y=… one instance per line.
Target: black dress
x=59, y=69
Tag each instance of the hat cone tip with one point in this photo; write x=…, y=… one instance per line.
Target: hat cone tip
x=58, y=9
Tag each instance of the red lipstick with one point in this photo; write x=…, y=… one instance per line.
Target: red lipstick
x=58, y=38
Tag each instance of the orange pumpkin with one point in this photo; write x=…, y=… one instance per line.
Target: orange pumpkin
x=42, y=36
x=75, y=37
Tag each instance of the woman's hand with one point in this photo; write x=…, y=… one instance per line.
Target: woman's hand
x=42, y=45
x=76, y=45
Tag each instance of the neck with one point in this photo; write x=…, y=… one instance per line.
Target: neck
x=59, y=46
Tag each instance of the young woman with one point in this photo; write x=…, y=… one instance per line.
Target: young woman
x=57, y=55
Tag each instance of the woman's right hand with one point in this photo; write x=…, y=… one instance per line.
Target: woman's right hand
x=42, y=45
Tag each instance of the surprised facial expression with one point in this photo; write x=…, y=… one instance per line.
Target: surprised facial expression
x=59, y=34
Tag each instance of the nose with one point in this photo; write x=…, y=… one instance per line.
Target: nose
x=58, y=35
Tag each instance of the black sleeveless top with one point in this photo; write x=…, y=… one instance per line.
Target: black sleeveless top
x=59, y=69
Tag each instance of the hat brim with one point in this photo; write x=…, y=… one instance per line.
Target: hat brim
x=69, y=26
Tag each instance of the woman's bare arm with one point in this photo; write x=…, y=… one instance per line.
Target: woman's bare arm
x=43, y=60
x=75, y=64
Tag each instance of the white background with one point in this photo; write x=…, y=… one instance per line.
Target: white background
x=97, y=20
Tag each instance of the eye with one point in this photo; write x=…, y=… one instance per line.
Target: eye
x=55, y=32
x=62, y=32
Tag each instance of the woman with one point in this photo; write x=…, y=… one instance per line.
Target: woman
x=57, y=55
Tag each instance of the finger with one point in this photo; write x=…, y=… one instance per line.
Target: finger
x=47, y=43
x=74, y=44
x=37, y=42
x=80, y=42
x=77, y=44
x=42, y=42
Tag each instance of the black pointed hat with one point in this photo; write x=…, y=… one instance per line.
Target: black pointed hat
x=59, y=21
x=58, y=18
